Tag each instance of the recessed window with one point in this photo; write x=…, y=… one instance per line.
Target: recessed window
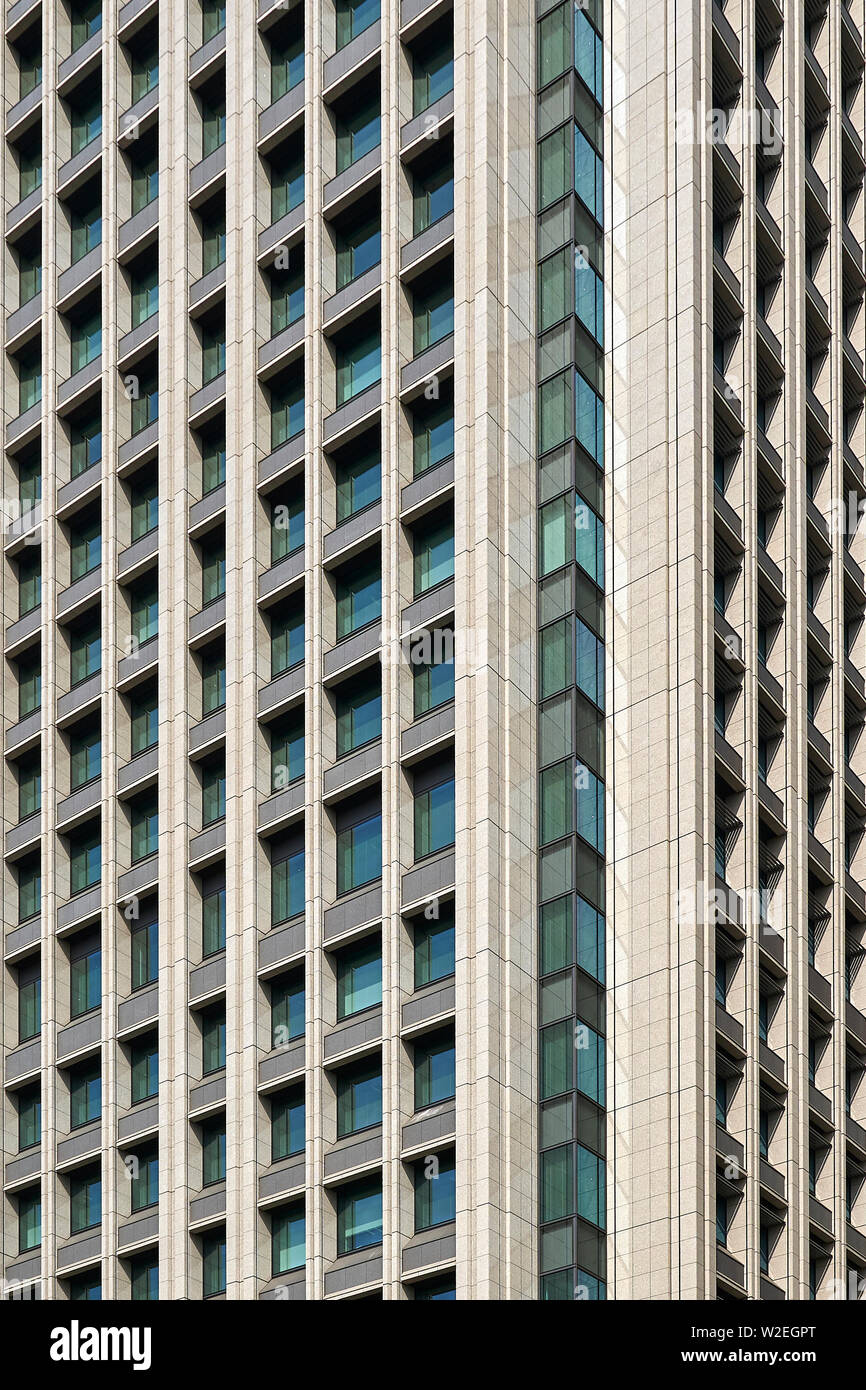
x=359, y=360
x=29, y=879
x=288, y=1124
x=359, y=1097
x=85, y=1288
x=213, y=19
x=145, y=954
x=144, y=604
x=359, y=854
x=287, y=752
x=144, y=401
x=433, y=546
x=29, y=1001
x=85, y=1199
x=85, y=974
x=359, y=714
x=86, y=18
x=434, y=1070
x=435, y=1191
x=359, y=597
x=85, y=437
x=288, y=1239
x=213, y=922
x=144, y=1278
x=359, y=977
x=287, y=526
x=85, y=652
x=213, y=1151
x=432, y=309
x=288, y=889
x=213, y=1040
x=287, y=178
x=85, y=861
x=432, y=69
x=287, y=411
x=287, y=640
x=144, y=62
x=85, y=548
x=287, y=63
x=213, y=1262
x=85, y=1094
x=359, y=247
x=28, y=1103
x=286, y=284
x=145, y=1178
x=144, y=827
x=213, y=683
x=29, y=1220
x=144, y=1068
x=434, y=947
x=358, y=127
x=433, y=431
x=288, y=1004
x=28, y=774
x=434, y=819
x=144, y=721
x=359, y=481
x=359, y=1216
x=213, y=792
x=85, y=757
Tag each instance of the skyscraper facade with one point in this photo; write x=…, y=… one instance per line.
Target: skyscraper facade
x=433, y=650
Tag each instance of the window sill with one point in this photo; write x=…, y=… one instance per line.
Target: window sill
x=431, y=588
x=422, y=472
x=356, y=747
x=350, y=1018
x=362, y=628
x=356, y=887
x=437, y=981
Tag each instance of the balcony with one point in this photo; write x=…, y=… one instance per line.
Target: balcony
x=283, y=690
x=138, y=118
x=426, y=365
x=351, y=535
x=138, y=231
x=282, y=578
x=142, y=444
x=359, y=650
x=207, y=59
x=428, y=247
x=353, y=417
x=24, y=113
x=207, y=401
x=141, y=771
x=77, y=388
x=81, y=63
x=431, y=124
x=208, y=288
x=139, y=556
x=79, y=595
x=206, y=175
x=82, y=697
x=278, y=119
x=281, y=809
x=282, y=347
x=428, y=608
x=24, y=214
x=352, y=61
x=353, y=771
x=79, y=168
x=134, y=344
x=353, y=299
x=352, y=182
x=286, y=231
